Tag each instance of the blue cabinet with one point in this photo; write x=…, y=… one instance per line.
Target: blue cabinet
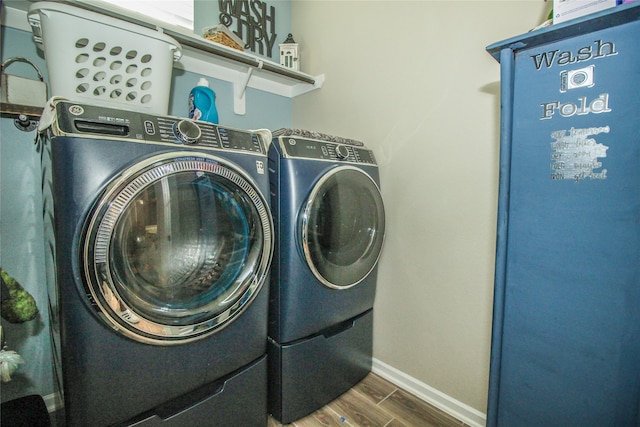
x=566, y=327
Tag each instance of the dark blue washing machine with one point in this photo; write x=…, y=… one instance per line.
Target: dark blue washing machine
x=330, y=224
x=161, y=240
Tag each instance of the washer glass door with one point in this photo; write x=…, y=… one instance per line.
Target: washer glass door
x=176, y=248
x=343, y=226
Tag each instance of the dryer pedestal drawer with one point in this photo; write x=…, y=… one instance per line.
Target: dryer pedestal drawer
x=309, y=373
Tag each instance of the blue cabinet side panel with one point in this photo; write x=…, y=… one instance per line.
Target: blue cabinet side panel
x=506, y=119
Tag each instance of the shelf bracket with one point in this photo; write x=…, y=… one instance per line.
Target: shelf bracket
x=240, y=89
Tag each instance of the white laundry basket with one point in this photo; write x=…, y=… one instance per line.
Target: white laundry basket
x=101, y=60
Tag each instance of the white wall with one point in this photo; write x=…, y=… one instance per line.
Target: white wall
x=413, y=81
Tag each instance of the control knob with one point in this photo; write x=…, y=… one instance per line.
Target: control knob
x=342, y=152
x=187, y=131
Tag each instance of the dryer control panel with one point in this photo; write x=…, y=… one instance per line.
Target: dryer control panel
x=293, y=146
x=101, y=122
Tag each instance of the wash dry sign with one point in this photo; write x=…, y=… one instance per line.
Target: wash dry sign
x=253, y=21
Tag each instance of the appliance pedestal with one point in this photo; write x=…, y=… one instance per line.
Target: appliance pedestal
x=307, y=374
x=224, y=402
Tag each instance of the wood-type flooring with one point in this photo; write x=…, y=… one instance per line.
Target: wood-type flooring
x=375, y=402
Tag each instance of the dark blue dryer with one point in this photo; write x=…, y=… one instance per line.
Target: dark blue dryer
x=160, y=242
x=330, y=224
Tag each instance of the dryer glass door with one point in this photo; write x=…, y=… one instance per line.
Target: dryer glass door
x=176, y=248
x=343, y=226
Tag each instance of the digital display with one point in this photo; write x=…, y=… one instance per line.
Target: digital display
x=304, y=148
x=239, y=140
x=365, y=156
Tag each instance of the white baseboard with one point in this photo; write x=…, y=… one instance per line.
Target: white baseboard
x=53, y=402
x=448, y=404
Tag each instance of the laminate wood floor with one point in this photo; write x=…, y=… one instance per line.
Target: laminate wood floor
x=375, y=402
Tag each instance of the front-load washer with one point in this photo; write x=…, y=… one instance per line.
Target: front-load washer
x=160, y=240
x=330, y=224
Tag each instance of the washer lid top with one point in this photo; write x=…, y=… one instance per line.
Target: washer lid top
x=176, y=248
x=342, y=227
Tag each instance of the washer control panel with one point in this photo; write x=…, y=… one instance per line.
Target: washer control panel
x=294, y=146
x=93, y=121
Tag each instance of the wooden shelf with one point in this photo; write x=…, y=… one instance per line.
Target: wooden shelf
x=204, y=57
x=239, y=68
x=15, y=111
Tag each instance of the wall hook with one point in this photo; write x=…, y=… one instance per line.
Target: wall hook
x=24, y=124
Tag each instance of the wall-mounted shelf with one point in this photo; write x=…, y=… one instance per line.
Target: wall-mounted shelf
x=205, y=57
x=202, y=56
x=241, y=69
x=15, y=111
